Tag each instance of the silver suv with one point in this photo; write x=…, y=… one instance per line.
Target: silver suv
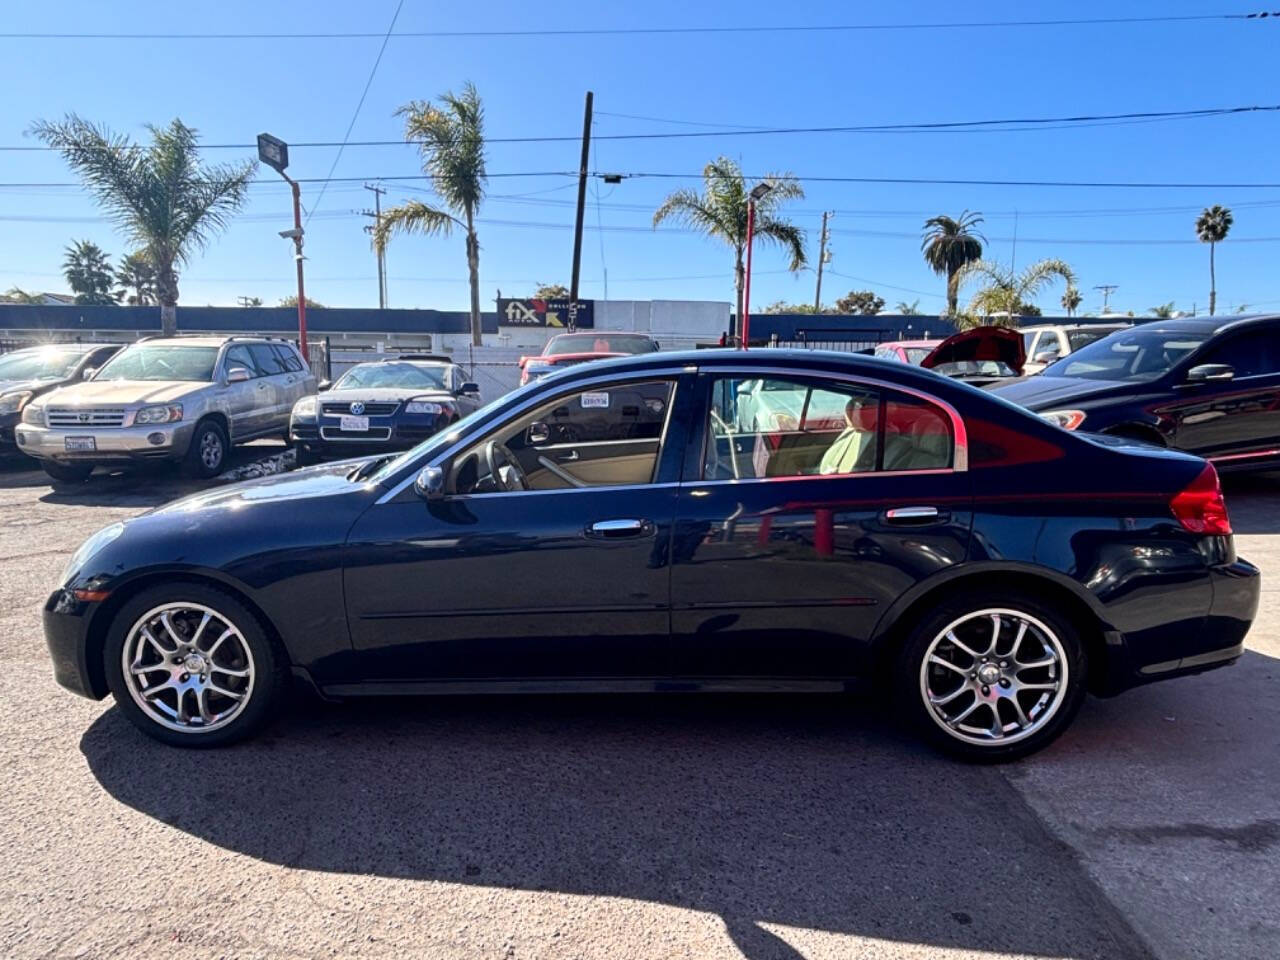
x=179, y=398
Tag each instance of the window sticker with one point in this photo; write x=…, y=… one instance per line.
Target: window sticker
x=599, y=401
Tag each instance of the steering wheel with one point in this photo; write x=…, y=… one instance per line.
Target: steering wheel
x=496, y=455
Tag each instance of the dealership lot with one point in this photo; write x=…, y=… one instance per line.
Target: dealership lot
x=604, y=827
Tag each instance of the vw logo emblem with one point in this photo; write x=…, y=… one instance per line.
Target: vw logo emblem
x=357, y=408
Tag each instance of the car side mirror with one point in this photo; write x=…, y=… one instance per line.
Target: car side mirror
x=237, y=375
x=323, y=385
x=472, y=389
x=88, y=373
x=430, y=483
x=1210, y=373
x=539, y=432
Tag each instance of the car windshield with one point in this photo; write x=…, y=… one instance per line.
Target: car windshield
x=916, y=355
x=1135, y=355
x=160, y=362
x=601, y=343
x=1084, y=337
x=412, y=375
x=40, y=363
x=975, y=368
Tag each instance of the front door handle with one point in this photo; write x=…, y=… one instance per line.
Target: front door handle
x=569, y=457
x=908, y=515
x=620, y=529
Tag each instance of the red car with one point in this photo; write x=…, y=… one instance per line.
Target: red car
x=567, y=349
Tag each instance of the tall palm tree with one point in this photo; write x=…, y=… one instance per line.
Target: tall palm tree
x=1164, y=311
x=720, y=211
x=161, y=196
x=948, y=245
x=1005, y=293
x=450, y=138
x=88, y=272
x=1071, y=300
x=136, y=279
x=1212, y=227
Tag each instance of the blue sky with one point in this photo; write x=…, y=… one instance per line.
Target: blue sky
x=307, y=90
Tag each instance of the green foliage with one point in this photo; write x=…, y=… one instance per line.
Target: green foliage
x=860, y=302
x=949, y=244
x=18, y=295
x=781, y=306
x=136, y=279
x=1071, y=299
x=292, y=301
x=88, y=273
x=551, y=291
x=1164, y=310
x=1006, y=295
x=907, y=309
x=1212, y=227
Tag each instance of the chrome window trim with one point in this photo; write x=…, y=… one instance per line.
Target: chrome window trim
x=538, y=398
x=959, y=435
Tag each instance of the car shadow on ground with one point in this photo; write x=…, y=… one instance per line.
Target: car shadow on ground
x=1251, y=502
x=802, y=812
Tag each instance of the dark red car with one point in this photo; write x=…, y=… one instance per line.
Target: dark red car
x=567, y=349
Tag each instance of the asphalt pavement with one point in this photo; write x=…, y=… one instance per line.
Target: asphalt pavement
x=638, y=827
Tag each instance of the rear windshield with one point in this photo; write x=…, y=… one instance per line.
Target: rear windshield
x=1135, y=355
x=1082, y=338
x=160, y=363
x=601, y=343
x=41, y=363
x=411, y=375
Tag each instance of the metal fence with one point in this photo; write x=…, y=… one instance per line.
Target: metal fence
x=848, y=341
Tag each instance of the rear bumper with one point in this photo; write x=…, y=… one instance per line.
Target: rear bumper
x=66, y=633
x=158, y=441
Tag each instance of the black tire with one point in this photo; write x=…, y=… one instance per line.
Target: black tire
x=67, y=473
x=977, y=612
x=304, y=457
x=270, y=666
x=207, y=455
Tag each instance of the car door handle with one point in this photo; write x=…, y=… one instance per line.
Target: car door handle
x=569, y=457
x=908, y=515
x=619, y=529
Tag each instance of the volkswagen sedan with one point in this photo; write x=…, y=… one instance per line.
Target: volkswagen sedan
x=620, y=527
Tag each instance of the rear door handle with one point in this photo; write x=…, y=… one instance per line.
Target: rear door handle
x=909, y=515
x=620, y=529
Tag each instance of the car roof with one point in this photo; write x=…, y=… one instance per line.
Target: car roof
x=1031, y=328
x=1209, y=325
x=197, y=340
x=604, y=333
x=909, y=343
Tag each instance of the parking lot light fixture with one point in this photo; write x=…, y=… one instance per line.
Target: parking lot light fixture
x=757, y=192
x=274, y=152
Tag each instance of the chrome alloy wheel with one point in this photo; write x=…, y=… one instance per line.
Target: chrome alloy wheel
x=211, y=449
x=188, y=667
x=994, y=677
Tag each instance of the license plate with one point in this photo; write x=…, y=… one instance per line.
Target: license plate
x=354, y=424
x=80, y=443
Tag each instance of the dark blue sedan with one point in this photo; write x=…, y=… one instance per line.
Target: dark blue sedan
x=389, y=404
x=624, y=526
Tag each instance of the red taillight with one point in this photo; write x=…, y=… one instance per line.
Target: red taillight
x=1200, y=507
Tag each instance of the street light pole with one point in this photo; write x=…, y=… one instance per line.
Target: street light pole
x=758, y=191
x=274, y=152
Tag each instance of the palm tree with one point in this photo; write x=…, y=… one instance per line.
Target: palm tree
x=1005, y=294
x=161, y=196
x=950, y=244
x=18, y=295
x=450, y=138
x=720, y=211
x=136, y=278
x=1212, y=227
x=1071, y=300
x=88, y=273
x=908, y=309
x=1164, y=311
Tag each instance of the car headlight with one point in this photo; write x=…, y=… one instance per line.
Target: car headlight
x=13, y=402
x=33, y=414
x=163, y=413
x=423, y=406
x=538, y=368
x=305, y=409
x=1066, y=419
x=86, y=551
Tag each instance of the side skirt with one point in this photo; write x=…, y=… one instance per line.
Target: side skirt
x=673, y=685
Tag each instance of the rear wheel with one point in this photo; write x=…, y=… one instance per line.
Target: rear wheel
x=992, y=677
x=207, y=454
x=191, y=666
x=67, y=472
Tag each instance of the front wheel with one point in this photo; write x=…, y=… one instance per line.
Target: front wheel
x=208, y=451
x=992, y=677
x=191, y=666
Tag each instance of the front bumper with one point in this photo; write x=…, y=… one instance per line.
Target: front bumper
x=150, y=441
x=66, y=633
x=397, y=432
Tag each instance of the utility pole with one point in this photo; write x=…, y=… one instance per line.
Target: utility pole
x=1107, y=289
x=822, y=258
x=381, y=254
x=582, y=200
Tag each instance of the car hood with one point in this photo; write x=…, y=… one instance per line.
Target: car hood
x=10, y=386
x=1044, y=392
x=384, y=394
x=980, y=343
x=328, y=479
x=125, y=392
x=573, y=357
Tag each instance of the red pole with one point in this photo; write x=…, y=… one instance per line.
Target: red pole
x=745, y=326
x=297, y=247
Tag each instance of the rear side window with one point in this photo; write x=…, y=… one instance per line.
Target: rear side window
x=287, y=357
x=268, y=360
x=790, y=428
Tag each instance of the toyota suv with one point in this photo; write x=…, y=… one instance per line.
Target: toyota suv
x=181, y=399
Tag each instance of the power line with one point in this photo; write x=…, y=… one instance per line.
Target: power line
x=655, y=31
x=1001, y=125
x=351, y=126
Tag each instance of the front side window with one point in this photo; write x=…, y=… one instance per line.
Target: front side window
x=760, y=428
x=239, y=356
x=144, y=362
x=1248, y=354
